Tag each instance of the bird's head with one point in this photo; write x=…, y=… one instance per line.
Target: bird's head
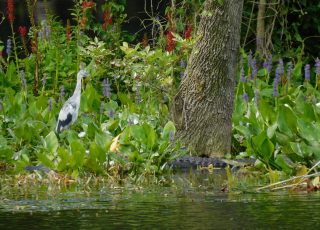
x=82, y=73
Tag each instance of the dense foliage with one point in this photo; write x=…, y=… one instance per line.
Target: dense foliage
x=124, y=126
x=276, y=115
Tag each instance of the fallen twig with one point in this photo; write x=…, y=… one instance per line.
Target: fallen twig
x=290, y=179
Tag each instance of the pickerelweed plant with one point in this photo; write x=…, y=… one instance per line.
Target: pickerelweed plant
x=278, y=123
x=123, y=128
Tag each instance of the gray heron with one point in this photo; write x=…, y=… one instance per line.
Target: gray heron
x=69, y=112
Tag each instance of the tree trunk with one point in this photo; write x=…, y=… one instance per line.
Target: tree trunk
x=260, y=42
x=202, y=109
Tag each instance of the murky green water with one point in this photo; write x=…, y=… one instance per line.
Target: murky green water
x=183, y=206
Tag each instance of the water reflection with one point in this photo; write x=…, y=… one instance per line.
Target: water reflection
x=175, y=207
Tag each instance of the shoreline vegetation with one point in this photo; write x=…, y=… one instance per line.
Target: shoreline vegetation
x=124, y=130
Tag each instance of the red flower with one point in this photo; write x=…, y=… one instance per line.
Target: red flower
x=188, y=31
x=23, y=31
x=87, y=5
x=10, y=8
x=68, y=31
x=170, y=42
x=107, y=19
x=83, y=22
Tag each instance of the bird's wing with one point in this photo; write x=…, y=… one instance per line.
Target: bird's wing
x=69, y=107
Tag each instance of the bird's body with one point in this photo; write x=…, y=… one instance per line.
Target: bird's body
x=69, y=112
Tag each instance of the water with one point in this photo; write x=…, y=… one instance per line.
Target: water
x=186, y=205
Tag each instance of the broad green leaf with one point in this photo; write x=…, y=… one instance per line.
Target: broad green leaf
x=297, y=70
x=280, y=160
x=262, y=72
x=151, y=135
x=78, y=154
x=167, y=129
x=308, y=131
x=287, y=120
x=65, y=159
x=45, y=160
x=301, y=149
x=263, y=145
x=267, y=111
x=51, y=142
x=282, y=139
x=138, y=133
x=103, y=140
x=271, y=130
x=267, y=148
x=303, y=108
x=124, y=99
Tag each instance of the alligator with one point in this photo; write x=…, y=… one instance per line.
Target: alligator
x=186, y=162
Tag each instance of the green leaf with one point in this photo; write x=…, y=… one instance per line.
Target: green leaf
x=262, y=72
x=271, y=130
x=65, y=159
x=308, y=131
x=45, y=160
x=78, y=154
x=280, y=160
x=263, y=145
x=138, y=133
x=297, y=70
x=282, y=139
x=220, y=2
x=51, y=142
x=151, y=135
x=287, y=120
x=124, y=99
x=103, y=140
x=167, y=129
x=300, y=149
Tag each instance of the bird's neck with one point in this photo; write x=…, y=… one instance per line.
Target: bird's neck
x=77, y=91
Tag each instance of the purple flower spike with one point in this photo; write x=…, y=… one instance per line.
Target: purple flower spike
x=23, y=80
x=281, y=67
x=317, y=67
x=111, y=113
x=47, y=31
x=106, y=88
x=242, y=76
x=245, y=97
x=307, y=72
x=8, y=49
x=44, y=79
x=101, y=110
x=254, y=69
x=267, y=64
x=50, y=104
x=171, y=136
x=250, y=58
x=289, y=70
x=62, y=93
x=182, y=63
x=277, y=80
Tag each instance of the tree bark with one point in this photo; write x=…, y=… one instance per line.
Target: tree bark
x=260, y=42
x=202, y=109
